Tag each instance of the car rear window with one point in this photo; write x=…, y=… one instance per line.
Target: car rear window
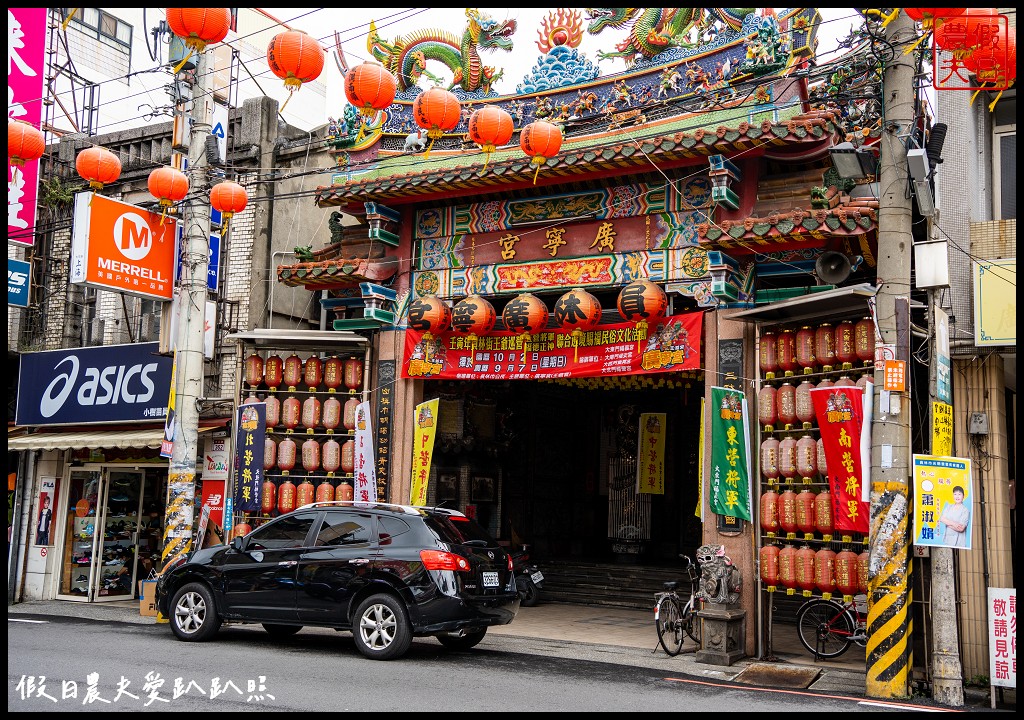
x=457, y=530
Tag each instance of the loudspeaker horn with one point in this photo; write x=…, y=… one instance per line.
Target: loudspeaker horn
x=833, y=267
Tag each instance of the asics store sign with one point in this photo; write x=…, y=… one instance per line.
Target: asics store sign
x=115, y=383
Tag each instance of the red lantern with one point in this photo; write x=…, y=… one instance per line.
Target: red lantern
x=332, y=413
x=863, y=571
x=325, y=491
x=269, y=501
x=769, y=562
x=168, y=186
x=785, y=345
x=825, y=570
x=845, y=381
x=525, y=314
x=25, y=142
x=273, y=372
x=369, y=88
x=199, y=27
x=291, y=412
x=273, y=411
x=963, y=33
x=864, y=339
x=767, y=414
x=331, y=458
x=490, y=127
x=310, y=414
x=269, y=454
x=286, y=497
x=254, y=370
x=996, y=61
x=313, y=372
x=437, y=111
x=826, y=383
x=305, y=494
x=863, y=381
x=251, y=400
x=770, y=458
x=430, y=314
x=804, y=566
x=349, y=414
x=577, y=310
x=241, y=530
x=823, y=513
x=344, y=491
x=787, y=511
x=768, y=354
x=540, y=140
x=802, y=402
x=787, y=566
x=353, y=374
x=228, y=198
x=333, y=373
x=805, y=348
x=846, y=572
x=292, y=372
x=98, y=166
x=770, y=511
x=846, y=351
x=807, y=457
x=785, y=398
x=296, y=58
x=473, y=316
x=822, y=465
x=642, y=300
x=286, y=452
x=787, y=458
x=805, y=511
x=825, y=346
x=348, y=457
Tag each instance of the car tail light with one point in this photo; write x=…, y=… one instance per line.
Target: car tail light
x=509, y=562
x=440, y=560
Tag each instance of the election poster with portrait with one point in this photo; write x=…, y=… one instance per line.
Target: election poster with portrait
x=943, y=501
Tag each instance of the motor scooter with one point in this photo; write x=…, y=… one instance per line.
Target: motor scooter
x=529, y=579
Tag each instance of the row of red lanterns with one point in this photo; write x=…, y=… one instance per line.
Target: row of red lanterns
x=791, y=512
x=310, y=413
x=822, y=347
x=288, y=496
x=293, y=372
x=804, y=569
x=329, y=455
x=788, y=404
x=791, y=458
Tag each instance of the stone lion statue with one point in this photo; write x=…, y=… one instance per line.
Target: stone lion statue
x=720, y=582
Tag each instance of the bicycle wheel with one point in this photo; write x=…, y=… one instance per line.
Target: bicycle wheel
x=824, y=628
x=669, y=622
x=691, y=623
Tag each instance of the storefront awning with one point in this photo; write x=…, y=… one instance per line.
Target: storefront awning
x=821, y=306
x=97, y=439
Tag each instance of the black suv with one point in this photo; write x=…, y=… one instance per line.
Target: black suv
x=387, y=573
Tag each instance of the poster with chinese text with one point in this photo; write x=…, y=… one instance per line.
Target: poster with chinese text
x=730, y=466
x=943, y=501
x=840, y=414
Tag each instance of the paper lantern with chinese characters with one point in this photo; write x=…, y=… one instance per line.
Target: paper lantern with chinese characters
x=822, y=464
x=273, y=411
x=863, y=571
x=807, y=457
x=642, y=300
x=348, y=415
x=333, y=373
x=332, y=414
x=344, y=491
x=295, y=57
x=768, y=355
x=803, y=404
x=541, y=141
x=825, y=346
x=863, y=381
x=292, y=372
x=286, y=497
x=310, y=414
x=577, y=310
x=864, y=339
x=805, y=510
x=353, y=374
x=787, y=567
x=313, y=372
x=331, y=459
x=805, y=568
x=369, y=88
x=199, y=27
x=268, y=503
x=785, y=399
x=25, y=142
x=273, y=372
x=473, y=316
x=787, y=458
x=286, y=453
x=291, y=412
x=98, y=167
x=787, y=511
x=269, y=454
x=348, y=457
x=825, y=570
x=846, y=572
x=823, y=513
x=324, y=491
x=769, y=562
x=437, y=111
x=254, y=370
x=490, y=127
x=305, y=494
x=785, y=345
x=770, y=511
x=241, y=529
x=846, y=351
x=430, y=314
x=228, y=198
x=804, y=340
x=770, y=458
x=525, y=314
x=767, y=412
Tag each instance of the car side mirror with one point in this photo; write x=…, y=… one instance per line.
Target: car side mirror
x=237, y=543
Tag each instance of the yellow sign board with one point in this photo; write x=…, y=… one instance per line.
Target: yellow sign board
x=995, y=302
x=650, y=462
x=425, y=428
x=942, y=429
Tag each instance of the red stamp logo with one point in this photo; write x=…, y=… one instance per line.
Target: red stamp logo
x=972, y=52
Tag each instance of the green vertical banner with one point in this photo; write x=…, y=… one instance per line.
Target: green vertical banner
x=730, y=454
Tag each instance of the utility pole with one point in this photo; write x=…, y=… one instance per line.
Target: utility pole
x=889, y=644
x=188, y=380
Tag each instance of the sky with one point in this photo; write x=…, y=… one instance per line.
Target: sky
x=352, y=24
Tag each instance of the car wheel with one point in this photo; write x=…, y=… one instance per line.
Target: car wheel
x=281, y=630
x=462, y=640
x=381, y=627
x=193, y=614
x=530, y=594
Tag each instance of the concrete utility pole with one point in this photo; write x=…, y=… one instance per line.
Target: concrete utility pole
x=188, y=380
x=889, y=647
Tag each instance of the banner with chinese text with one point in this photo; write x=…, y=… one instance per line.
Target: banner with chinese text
x=943, y=501
x=840, y=415
x=669, y=345
x=250, y=438
x=1002, y=636
x=730, y=456
x=425, y=428
x=650, y=465
x=26, y=71
x=365, y=489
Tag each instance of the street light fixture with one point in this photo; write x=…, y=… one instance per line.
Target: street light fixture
x=853, y=163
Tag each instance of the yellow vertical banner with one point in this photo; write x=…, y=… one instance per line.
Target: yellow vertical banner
x=942, y=429
x=699, y=510
x=425, y=427
x=650, y=463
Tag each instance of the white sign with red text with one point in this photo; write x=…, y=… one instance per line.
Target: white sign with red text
x=365, y=489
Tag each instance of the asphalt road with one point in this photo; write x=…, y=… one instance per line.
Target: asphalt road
x=320, y=670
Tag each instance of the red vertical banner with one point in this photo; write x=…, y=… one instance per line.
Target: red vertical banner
x=26, y=69
x=840, y=415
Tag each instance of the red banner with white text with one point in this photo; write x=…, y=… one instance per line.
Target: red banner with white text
x=840, y=415
x=669, y=344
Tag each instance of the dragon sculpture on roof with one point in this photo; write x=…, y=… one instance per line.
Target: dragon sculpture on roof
x=406, y=57
x=655, y=30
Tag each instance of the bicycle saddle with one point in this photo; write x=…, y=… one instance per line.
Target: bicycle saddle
x=670, y=586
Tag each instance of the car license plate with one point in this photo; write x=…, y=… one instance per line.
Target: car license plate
x=537, y=577
x=490, y=579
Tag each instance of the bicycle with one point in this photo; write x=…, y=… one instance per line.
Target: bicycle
x=828, y=628
x=672, y=617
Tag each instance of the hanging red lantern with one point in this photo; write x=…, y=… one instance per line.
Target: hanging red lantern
x=769, y=564
x=846, y=573
x=768, y=355
x=804, y=566
x=333, y=370
x=787, y=567
x=823, y=513
x=787, y=458
x=767, y=413
x=286, y=497
x=863, y=571
x=846, y=351
x=770, y=511
x=525, y=314
x=228, y=198
x=926, y=16
x=864, y=339
x=168, y=186
x=25, y=142
x=268, y=503
x=826, y=383
x=578, y=311
x=313, y=372
x=802, y=402
x=269, y=454
x=332, y=414
x=344, y=492
x=325, y=491
x=845, y=381
x=825, y=346
x=804, y=340
x=430, y=314
x=349, y=414
x=251, y=400
x=291, y=412
x=292, y=372
x=805, y=511
x=241, y=529
x=286, y=452
x=98, y=166
x=490, y=127
x=770, y=459
x=296, y=58
x=825, y=570
x=785, y=398
x=254, y=370
x=369, y=88
x=273, y=411
x=353, y=374
x=863, y=381
x=822, y=466
x=964, y=32
x=311, y=414
x=787, y=511
x=348, y=457
x=995, y=62
x=331, y=458
x=785, y=346
x=541, y=141
x=437, y=111
x=473, y=316
x=305, y=494
x=273, y=372
x=199, y=27
x=642, y=302
x=807, y=457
